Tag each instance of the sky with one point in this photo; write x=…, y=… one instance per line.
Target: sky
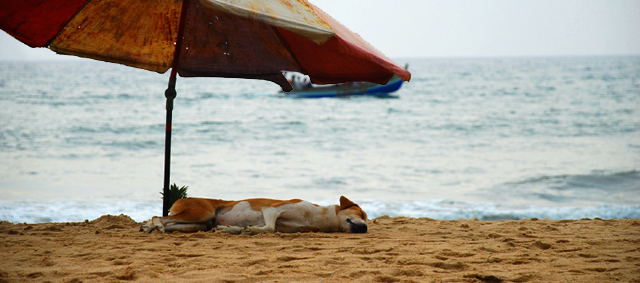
x=466, y=28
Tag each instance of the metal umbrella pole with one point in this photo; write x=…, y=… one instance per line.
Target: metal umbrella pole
x=171, y=94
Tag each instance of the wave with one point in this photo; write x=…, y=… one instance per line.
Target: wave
x=451, y=210
x=597, y=186
x=598, y=179
x=76, y=210
x=80, y=210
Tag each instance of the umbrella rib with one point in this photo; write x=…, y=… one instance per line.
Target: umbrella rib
x=181, y=25
x=48, y=44
x=303, y=28
x=284, y=42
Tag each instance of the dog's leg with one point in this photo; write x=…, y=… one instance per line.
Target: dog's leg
x=170, y=225
x=148, y=227
x=157, y=221
x=187, y=227
x=153, y=224
x=270, y=215
x=194, y=211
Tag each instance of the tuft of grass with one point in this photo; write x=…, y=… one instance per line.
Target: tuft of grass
x=175, y=194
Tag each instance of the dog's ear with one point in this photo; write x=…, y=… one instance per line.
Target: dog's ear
x=345, y=203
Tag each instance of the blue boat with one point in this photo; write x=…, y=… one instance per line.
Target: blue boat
x=348, y=89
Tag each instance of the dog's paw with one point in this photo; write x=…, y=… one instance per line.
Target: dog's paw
x=147, y=228
x=229, y=229
x=252, y=230
x=247, y=231
x=157, y=222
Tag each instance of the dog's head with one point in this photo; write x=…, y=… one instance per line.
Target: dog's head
x=352, y=218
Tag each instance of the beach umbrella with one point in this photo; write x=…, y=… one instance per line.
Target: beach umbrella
x=256, y=39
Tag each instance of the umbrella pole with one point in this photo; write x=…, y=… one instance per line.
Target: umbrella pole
x=171, y=94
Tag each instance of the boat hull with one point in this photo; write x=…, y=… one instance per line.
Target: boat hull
x=349, y=90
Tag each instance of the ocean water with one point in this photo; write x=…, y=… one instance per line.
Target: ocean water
x=498, y=138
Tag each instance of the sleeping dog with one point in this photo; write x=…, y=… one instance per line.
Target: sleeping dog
x=256, y=216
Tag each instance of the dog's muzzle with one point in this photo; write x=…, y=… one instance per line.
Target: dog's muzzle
x=357, y=227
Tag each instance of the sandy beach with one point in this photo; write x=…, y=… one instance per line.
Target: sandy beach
x=396, y=249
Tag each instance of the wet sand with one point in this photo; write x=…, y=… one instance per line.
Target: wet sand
x=396, y=249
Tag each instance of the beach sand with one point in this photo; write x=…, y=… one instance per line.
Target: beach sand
x=396, y=249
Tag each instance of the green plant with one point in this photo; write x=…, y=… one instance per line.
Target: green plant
x=175, y=193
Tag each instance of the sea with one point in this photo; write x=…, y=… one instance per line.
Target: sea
x=486, y=138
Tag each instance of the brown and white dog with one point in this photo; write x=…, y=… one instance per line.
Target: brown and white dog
x=256, y=216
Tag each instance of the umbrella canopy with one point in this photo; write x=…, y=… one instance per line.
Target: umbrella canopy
x=222, y=38
x=202, y=38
